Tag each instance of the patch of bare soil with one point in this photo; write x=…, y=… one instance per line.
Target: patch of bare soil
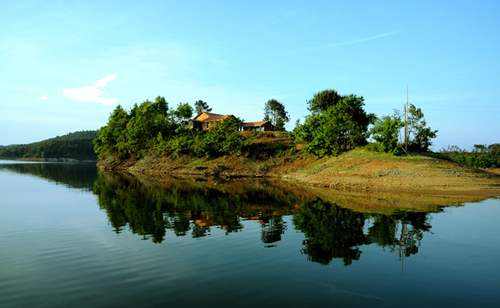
x=374, y=174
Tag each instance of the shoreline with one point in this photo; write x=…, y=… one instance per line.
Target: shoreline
x=358, y=171
x=50, y=160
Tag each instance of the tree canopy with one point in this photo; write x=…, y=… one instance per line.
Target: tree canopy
x=275, y=112
x=338, y=128
x=323, y=100
x=153, y=127
x=77, y=145
x=201, y=106
x=386, y=131
x=420, y=133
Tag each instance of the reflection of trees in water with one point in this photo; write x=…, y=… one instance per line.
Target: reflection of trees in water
x=273, y=228
x=193, y=208
x=331, y=232
x=183, y=207
x=72, y=175
x=402, y=231
x=335, y=232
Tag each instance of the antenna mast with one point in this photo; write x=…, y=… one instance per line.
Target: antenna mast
x=407, y=133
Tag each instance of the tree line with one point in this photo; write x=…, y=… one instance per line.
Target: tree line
x=155, y=128
x=336, y=123
x=481, y=156
x=77, y=145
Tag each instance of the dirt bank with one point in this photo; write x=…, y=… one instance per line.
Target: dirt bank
x=356, y=170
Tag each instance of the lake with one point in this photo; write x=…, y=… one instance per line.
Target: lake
x=73, y=237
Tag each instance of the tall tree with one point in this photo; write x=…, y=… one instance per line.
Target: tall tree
x=201, y=106
x=421, y=134
x=275, y=112
x=324, y=100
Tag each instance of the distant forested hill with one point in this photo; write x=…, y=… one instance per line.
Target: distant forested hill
x=76, y=145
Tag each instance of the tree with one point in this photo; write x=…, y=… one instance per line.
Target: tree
x=201, y=106
x=111, y=138
x=324, y=100
x=420, y=134
x=274, y=112
x=183, y=112
x=339, y=128
x=385, y=131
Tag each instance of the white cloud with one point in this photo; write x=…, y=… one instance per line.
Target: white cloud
x=42, y=98
x=92, y=94
x=103, y=82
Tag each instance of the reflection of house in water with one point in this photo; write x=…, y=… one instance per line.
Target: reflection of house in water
x=270, y=219
x=202, y=220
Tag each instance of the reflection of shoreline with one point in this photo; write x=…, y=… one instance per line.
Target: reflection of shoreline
x=394, y=201
x=21, y=160
x=372, y=201
x=71, y=175
x=152, y=208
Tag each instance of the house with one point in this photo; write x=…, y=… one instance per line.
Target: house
x=260, y=126
x=204, y=120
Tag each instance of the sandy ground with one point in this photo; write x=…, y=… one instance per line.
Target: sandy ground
x=373, y=174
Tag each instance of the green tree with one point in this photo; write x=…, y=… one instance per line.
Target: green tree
x=183, y=112
x=111, y=138
x=147, y=120
x=337, y=129
x=275, y=112
x=420, y=133
x=323, y=100
x=201, y=106
x=385, y=131
x=225, y=138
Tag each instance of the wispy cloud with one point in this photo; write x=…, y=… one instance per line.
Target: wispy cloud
x=42, y=98
x=92, y=94
x=364, y=39
x=352, y=42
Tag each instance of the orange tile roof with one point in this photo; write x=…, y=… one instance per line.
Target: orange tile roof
x=253, y=124
x=209, y=117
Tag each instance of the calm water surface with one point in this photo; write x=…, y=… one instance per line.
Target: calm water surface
x=70, y=237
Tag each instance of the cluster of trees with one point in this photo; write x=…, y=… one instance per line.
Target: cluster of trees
x=76, y=145
x=387, y=128
x=481, y=156
x=336, y=123
x=153, y=127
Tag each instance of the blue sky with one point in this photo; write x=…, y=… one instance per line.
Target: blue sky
x=65, y=65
